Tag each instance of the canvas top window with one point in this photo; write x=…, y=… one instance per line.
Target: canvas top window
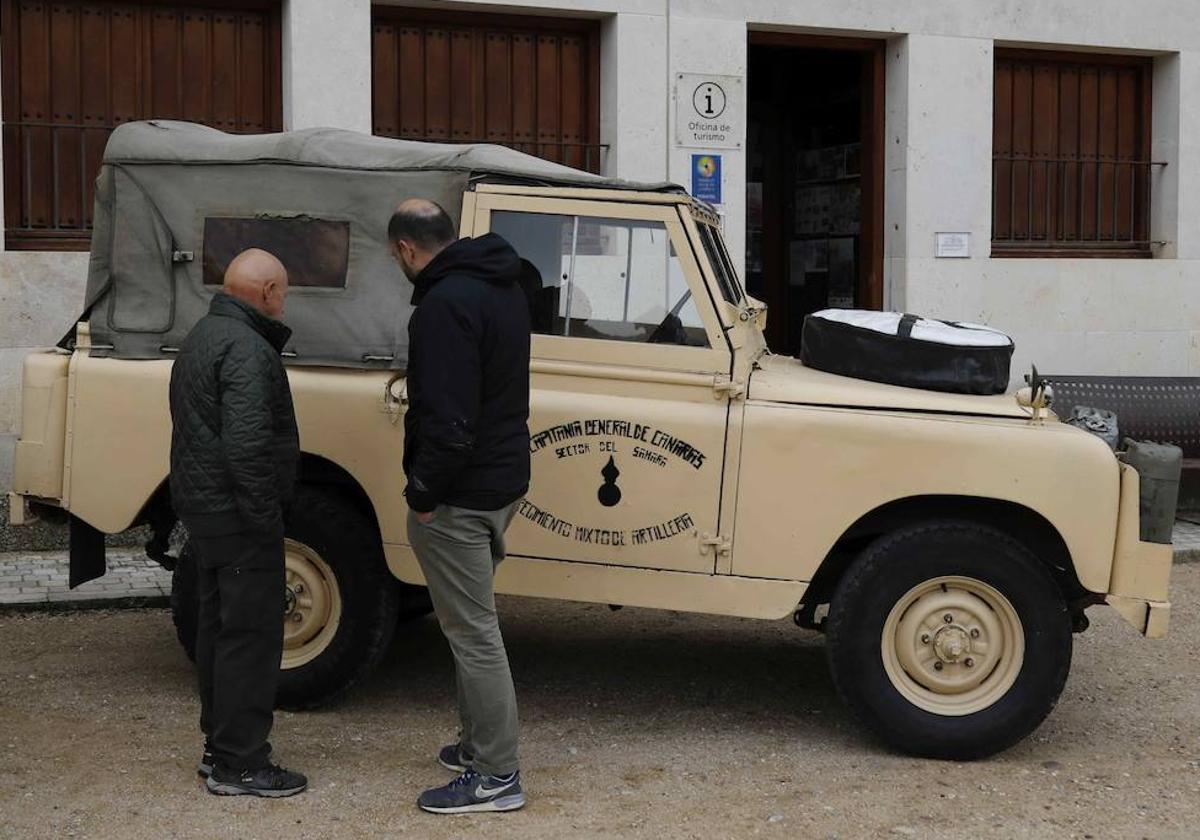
x=315, y=252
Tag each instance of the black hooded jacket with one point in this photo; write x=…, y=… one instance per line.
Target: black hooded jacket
x=234, y=444
x=466, y=433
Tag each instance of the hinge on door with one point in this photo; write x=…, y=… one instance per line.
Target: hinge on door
x=718, y=544
x=726, y=386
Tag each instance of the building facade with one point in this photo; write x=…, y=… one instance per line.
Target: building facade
x=1022, y=164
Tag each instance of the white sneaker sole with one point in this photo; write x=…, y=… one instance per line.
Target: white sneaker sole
x=503, y=803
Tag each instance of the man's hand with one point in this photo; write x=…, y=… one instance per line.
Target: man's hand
x=425, y=518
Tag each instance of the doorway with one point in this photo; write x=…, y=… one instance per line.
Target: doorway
x=814, y=180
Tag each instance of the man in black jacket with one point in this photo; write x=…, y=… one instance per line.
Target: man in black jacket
x=466, y=456
x=234, y=454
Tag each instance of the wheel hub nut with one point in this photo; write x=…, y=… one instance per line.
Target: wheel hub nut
x=937, y=666
x=924, y=638
x=974, y=632
x=948, y=618
x=970, y=663
x=951, y=643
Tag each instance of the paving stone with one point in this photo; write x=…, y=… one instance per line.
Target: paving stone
x=27, y=578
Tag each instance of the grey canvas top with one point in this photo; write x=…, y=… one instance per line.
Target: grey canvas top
x=175, y=200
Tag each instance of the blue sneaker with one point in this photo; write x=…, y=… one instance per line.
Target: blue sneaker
x=454, y=757
x=474, y=792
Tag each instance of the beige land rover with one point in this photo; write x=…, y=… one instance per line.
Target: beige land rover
x=946, y=544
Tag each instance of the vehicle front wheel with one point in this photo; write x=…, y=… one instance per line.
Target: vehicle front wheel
x=949, y=640
x=341, y=602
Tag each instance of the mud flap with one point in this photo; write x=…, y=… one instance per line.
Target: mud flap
x=87, y=553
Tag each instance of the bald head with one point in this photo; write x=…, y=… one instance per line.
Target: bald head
x=419, y=230
x=258, y=278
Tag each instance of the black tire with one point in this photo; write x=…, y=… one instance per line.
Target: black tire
x=414, y=602
x=881, y=577
x=348, y=543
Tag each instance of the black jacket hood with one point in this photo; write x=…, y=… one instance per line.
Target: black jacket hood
x=488, y=257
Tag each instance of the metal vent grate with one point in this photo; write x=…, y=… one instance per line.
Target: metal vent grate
x=1158, y=408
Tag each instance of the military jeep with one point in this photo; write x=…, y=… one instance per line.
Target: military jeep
x=947, y=545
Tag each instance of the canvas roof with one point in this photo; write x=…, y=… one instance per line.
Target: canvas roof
x=171, y=141
x=164, y=186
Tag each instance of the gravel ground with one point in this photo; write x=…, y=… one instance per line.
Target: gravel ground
x=635, y=723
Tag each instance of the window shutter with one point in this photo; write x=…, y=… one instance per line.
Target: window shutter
x=1070, y=145
x=532, y=84
x=76, y=70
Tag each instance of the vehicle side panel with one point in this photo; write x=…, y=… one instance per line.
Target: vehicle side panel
x=808, y=473
x=120, y=448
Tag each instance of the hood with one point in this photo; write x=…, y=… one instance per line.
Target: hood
x=785, y=380
x=276, y=332
x=488, y=257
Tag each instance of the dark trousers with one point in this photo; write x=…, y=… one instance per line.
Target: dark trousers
x=239, y=642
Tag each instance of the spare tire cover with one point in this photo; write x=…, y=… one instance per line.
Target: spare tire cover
x=907, y=350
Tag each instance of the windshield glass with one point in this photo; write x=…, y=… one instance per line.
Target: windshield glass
x=718, y=257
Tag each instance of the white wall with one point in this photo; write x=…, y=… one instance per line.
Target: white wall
x=1086, y=316
x=327, y=64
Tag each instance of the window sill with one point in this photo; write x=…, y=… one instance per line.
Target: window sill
x=47, y=241
x=1007, y=252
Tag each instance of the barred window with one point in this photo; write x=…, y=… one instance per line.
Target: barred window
x=73, y=71
x=528, y=82
x=1071, y=172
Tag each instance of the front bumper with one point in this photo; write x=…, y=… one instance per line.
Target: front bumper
x=1150, y=618
x=1141, y=572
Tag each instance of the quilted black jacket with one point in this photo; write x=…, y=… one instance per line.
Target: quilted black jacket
x=234, y=446
x=466, y=433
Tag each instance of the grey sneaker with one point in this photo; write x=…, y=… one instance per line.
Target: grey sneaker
x=474, y=792
x=454, y=757
x=270, y=781
x=205, y=766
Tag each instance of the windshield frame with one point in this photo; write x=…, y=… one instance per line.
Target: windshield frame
x=713, y=245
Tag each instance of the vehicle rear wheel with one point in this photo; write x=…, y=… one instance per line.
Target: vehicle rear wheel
x=949, y=640
x=341, y=601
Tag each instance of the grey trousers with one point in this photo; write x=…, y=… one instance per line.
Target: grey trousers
x=459, y=552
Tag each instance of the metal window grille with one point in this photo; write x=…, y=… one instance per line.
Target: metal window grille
x=74, y=70
x=1071, y=172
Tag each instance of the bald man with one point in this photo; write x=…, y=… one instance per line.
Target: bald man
x=234, y=455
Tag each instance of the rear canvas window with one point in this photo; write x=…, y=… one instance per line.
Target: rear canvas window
x=315, y=252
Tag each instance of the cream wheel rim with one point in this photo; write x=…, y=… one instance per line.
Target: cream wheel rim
x=312, y=605
x=953, y=645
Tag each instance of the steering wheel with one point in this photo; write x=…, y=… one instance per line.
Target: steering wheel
x=670, y=329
